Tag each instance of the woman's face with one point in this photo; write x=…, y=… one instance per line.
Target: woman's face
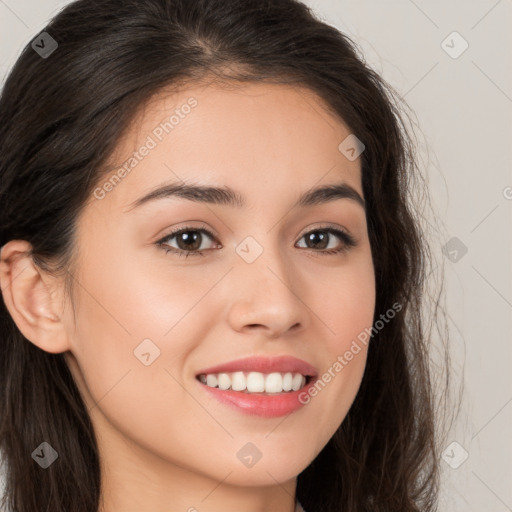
x=148, y=320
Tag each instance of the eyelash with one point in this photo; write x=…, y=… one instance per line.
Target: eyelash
x=348, y=240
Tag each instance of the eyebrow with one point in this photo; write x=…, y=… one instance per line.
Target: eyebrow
x=229, y=197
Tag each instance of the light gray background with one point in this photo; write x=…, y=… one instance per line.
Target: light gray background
x=463, y=107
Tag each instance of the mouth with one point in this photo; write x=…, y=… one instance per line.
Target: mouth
x=256, y=382
x=260, y=386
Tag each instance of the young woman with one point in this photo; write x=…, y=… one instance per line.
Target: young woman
x=212, y=276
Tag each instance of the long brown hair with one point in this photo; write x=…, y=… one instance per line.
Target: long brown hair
x=62, y=117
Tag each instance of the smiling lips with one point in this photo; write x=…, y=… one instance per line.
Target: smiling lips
x=261, y=386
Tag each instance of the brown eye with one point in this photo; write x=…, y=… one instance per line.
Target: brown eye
x=319, y=239
x=189, y=241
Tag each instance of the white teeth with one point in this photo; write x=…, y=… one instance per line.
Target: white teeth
x=274, y=383
x=224, y=381
x=238, y=381
x=287, y=381
x=211, y=380
x=255, y=382
x=297, y=382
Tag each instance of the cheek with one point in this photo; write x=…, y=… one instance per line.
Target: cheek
x=345, y=311
x=120, y=326
x=113, y=318
x=345, y=301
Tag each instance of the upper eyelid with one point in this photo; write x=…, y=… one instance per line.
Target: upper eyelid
x=184, y=229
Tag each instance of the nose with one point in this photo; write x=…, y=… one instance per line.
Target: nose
x=267, y=296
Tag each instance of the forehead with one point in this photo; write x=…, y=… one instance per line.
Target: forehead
x=262, y=139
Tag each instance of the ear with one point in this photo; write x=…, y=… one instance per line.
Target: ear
x=28, y=298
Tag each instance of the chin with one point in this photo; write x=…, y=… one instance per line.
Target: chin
x=265, y=473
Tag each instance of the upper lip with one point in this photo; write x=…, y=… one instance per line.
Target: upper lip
x=281, y=364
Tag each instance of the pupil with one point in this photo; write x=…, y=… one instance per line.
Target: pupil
x=190, y=241
x=320, y=235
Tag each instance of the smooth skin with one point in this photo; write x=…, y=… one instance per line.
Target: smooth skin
x=165, y=443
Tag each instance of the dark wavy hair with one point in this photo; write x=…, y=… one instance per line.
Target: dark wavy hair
x=62, y=117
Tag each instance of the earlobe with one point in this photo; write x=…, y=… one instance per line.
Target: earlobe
x=27, y=297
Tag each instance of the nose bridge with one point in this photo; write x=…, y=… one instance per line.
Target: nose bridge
x=266, y=293
x=265, y=260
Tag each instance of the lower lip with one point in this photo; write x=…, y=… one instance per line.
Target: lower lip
x=267, y=406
